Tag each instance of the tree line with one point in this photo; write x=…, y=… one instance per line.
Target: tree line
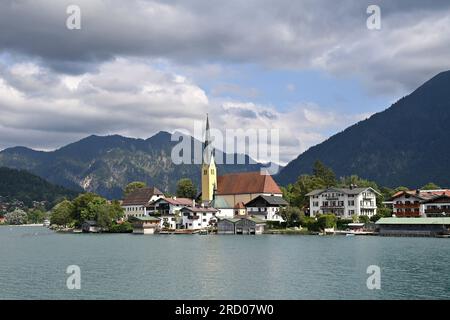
x=323, y=177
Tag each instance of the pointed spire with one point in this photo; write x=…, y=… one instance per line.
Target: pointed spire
x=208, y=151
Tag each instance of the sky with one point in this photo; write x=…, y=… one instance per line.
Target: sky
x=309, y=68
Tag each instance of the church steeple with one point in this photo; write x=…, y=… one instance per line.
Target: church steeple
x=209, y=171
x=208, y=151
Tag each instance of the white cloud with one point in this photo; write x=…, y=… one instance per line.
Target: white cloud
x=133, y=98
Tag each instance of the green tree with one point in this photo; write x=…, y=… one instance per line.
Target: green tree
x=62, y=213
x=430, y=186
x=307, y=222
x=36, y=216
x=363, y=219
x=298, y=191
x=116, y=210
x=325, y=173
x=133, y=186
x=326, y=221
x=80, y=207
x=384, y=212
x=186, y=189
x=18, y=216
x=398, y=189
x=95, y=207
x=123, y=227
x=291, y=215
x=357, y=181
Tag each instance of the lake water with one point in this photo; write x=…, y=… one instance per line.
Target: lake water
x=33, y=262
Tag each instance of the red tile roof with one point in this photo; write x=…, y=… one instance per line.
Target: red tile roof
x=141, y=196
x=246, y=182
x=423, y=194
x=178, y=201
x=199, y=209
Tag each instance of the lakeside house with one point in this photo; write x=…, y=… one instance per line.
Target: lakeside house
x=266, y=208
x=145, y=225
x=241, y=225
x=135, y=204
x=419, y=227
x=343, y=202
x=199, y=217
x=421, y=203
x=169, y=211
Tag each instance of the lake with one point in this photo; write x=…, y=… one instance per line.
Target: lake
x=33, y=263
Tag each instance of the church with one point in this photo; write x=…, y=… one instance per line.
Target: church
x=229, y=193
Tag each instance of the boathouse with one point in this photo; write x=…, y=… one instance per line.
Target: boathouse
x=414, y=227
x=145, y=225
x=241, y=225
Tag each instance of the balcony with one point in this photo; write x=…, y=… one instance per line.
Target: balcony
x=332, y=207
x=437, y=211
x=406, y=206
x=411, y=214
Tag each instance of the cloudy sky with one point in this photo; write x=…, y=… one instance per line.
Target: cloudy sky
x=307, y=67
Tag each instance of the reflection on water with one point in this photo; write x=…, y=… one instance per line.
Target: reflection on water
x=123, y=266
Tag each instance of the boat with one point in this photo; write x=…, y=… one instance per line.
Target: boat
x=46, y=223
x=203, y=232
x=349, y=234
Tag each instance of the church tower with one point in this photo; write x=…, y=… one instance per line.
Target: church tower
x=209, y=171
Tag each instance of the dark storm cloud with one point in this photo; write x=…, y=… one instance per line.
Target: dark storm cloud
x=281, y=33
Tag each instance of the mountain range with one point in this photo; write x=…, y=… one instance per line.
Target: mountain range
x=106, y=164
x=23, y=186
x=407, y=144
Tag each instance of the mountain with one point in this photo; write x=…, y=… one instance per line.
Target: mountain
x=105, y=164
x=408, y=144
x=26, y=187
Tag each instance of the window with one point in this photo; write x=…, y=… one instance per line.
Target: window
x=205, y=171
x=204, y=220
x=212, y=171
x=351, y=202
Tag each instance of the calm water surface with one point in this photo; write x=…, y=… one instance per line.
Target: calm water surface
x=33, y=262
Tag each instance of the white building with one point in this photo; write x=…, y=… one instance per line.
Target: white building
x=169, y=211
x=135, y=204
x=420, y=203
x=266, y=208
x=343, y=202
x=225, y=210
x=199, y=217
